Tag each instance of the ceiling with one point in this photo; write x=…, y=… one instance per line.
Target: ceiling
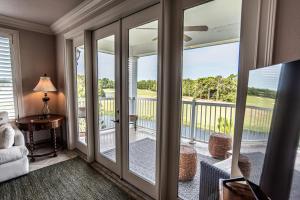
x=223, y=19
x=43, y=12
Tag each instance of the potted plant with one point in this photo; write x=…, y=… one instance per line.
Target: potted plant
x=221, y=142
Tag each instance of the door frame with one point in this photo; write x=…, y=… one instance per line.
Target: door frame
x=143, y=17
x=79, y=145
x=112, y=29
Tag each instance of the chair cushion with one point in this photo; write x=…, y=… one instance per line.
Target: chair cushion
x=12, y=154
x=7, y=135
x=3, y=117
x=224, y=165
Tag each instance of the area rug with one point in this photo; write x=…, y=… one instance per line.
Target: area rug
x=72, y=179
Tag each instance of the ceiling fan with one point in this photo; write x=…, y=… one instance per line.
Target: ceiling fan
x=186, y=38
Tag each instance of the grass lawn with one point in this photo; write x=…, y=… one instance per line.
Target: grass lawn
x=141, y=93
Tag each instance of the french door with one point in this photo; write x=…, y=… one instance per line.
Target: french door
x=80, y=94
x=107, y=99
x=140, y=99
x=126, y=101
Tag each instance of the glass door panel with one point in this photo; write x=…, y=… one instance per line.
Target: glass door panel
x=142, y=100
x=80, y=93
x=106, y=96
x=210, y=55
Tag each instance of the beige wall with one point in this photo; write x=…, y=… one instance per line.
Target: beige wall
x=287, y=31
x=60, y=52
x=38, y=56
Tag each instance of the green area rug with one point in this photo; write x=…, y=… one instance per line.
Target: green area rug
x=72, y=179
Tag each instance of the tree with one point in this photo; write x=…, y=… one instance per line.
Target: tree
x=212, y=88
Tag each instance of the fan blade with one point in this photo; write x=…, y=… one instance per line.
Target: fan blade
x=154, y=39
x=187, y=38
x=147, y=28
x=196, y=28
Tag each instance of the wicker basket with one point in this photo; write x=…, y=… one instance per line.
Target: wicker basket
x=187, y=163
x=218, y=145
x=244, y=165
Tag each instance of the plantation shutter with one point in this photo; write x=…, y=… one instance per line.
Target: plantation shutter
x=7, y=99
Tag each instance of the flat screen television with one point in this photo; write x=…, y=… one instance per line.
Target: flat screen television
x=271, y=129
x=261, y=97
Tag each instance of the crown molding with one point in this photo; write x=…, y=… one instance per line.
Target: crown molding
x=22, y=24
x=79, y=13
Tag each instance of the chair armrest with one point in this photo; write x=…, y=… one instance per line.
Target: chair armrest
x=209, y=181
x=19, y=137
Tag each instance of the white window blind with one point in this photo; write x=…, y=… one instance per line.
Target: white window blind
x=7, y=98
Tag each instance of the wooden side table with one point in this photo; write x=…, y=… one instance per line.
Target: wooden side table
x=238, y=191
x=34, y=123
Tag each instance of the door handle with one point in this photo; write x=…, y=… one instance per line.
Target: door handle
x=115, y=121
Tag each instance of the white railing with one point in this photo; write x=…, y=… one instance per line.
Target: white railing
x=199, y=119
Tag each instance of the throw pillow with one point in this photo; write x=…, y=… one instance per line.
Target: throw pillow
x=7, y=135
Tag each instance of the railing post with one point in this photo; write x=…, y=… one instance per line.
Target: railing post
x=192, y=121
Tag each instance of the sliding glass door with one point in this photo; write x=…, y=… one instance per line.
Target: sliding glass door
x=107, y=96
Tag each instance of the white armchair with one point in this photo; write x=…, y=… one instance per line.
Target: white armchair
x=13, y=160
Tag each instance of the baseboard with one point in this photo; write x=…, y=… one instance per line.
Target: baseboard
x=81, y=155
x=122, y=184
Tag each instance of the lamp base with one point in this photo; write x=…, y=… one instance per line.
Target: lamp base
x=45, y=111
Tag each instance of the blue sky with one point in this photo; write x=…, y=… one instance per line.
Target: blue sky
x=201, y=62
x=211, y=61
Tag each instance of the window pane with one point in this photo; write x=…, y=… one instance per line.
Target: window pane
x=106, y=96
x=209, y=84
x=7, y=99
x=81, y=94
x=142, y=102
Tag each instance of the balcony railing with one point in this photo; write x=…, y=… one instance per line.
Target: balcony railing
x=199, y=118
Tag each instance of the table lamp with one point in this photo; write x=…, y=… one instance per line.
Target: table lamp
x=45, y=85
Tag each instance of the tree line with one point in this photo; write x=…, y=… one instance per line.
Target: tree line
x=262, y=92
x=216, y=88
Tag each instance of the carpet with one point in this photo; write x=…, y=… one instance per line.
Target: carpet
x=72, y=179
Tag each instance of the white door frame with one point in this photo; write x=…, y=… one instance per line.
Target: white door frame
x=112, y=29
x=132, y=21
x=79, y=145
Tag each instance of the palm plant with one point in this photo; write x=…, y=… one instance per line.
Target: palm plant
x=223, y=126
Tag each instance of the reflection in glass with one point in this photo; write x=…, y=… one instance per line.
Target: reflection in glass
x=262, y=90
x=106, y=96
x=81, y=94
x=142, y=102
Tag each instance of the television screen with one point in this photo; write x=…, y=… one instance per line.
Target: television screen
x=261, y=96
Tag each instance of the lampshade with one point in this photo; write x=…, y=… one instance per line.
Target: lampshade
x=44, y=85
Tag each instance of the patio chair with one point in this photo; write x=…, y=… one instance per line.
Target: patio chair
x=133, y=120
x=209, y=181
